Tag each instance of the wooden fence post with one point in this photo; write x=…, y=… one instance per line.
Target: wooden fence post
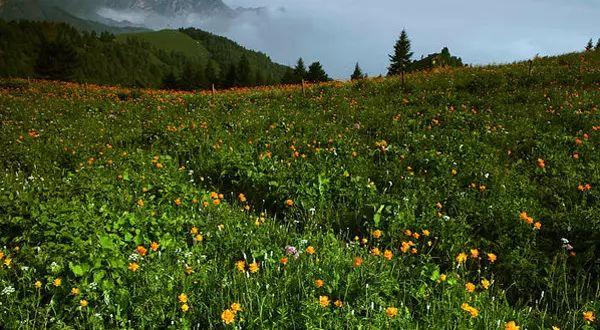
x=213, y=89
x=303, y=88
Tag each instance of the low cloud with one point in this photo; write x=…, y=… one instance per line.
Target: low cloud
x=340, y=33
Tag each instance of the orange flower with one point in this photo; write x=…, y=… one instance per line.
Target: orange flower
x=470, y=309
x=319, y=283
x=376, y=252
x=511, y=325
x=541, y=163
x=236, y=307
x=405, y=247
x=310, y=250
x=254, y=267
x=216, y=201
x=357, y=262
x=154, y=246
x=178, y=201
x=283, y=260
x=589, y=316
x=133, y=266
x=240, y=266
x=377, y=233
x=474, y=253
x=242, y=198
x=338, y=303
x=388, y=254
x=228, y=316
x=140, y=202
x=537, y=225
x=470, y=287
x=324, y=301
x=391, y=312
x=183, y=298
x=407, y=232
x=492, y=257
x=289, y=203
x=141, y=250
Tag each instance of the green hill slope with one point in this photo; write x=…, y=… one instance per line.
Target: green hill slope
x=171, y=40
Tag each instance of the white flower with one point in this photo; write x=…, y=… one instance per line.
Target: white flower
x=8, y=290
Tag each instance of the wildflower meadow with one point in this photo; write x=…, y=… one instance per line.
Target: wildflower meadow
x=458, y=199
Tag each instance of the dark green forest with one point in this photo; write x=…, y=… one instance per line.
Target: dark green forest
x=58, y=51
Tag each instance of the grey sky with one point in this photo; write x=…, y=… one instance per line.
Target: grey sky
x=342, y=32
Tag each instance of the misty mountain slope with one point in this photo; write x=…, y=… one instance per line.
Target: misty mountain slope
x=41, y=10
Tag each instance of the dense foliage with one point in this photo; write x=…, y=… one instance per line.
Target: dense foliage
x=463, y=198
x=60, y=52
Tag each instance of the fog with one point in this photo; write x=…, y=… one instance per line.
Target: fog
x=340, y=33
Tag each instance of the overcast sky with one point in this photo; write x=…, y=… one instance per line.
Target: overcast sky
x=340, y=33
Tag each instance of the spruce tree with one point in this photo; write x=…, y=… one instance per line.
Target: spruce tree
x=598, y=44
x=299, y=71
x=400, y=60
x=316, y=73
x=357, y=74
x=589, y=46
x=244, y=72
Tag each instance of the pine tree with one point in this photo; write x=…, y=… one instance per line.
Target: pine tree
x=357, y=74
x=589, y=46
x=299, y=71
x=210, y=73
x=400, y=60
x=316, y=73
x=231, y=79
x=598, y=44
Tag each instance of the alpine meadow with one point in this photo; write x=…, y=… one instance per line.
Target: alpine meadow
x=247, y=194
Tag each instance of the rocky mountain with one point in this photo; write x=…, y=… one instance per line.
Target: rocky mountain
x=119, y=13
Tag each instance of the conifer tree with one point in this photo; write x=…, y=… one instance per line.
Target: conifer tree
x=357, y=74
x=598, y=44
x=401, y=59
x=589, y=46
x=244, y=72
x=300, y=71
x=316, y=73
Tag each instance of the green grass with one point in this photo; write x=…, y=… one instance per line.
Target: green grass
x=93, y=176
x=172, y=40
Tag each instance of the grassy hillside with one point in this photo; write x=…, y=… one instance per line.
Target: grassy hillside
x=171, y=40
x=465, y=199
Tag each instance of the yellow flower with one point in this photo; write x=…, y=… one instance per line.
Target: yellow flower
x=555, y=327
x=310, y=250
x=407, y=232
x=189, y=270
x=492, y=257
x=198, y=238
x=377, y=233
x=228, y=316
x=254, y=267
x=391, y=312
x=1, y=255
x=537, y=225
x=511, y=325
x=461, y=257
x=388, y=254
x=75, y=291
x=376, y=252
x=57, y=282
x=324, y=301
x=589, y=316
x=470, y=309
x=426, y=232
x=133, y=266
x=185, y=308
x=443, y=277
x=236, y=307
x=83, y=303
x=37, y=284
x=240, y=265
x=485, y=284
x=7, y=261
x=470, y=287
x=140, y=202
x=194, y=231
x=319, y=283
x=338, y=303
x=183, y=298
